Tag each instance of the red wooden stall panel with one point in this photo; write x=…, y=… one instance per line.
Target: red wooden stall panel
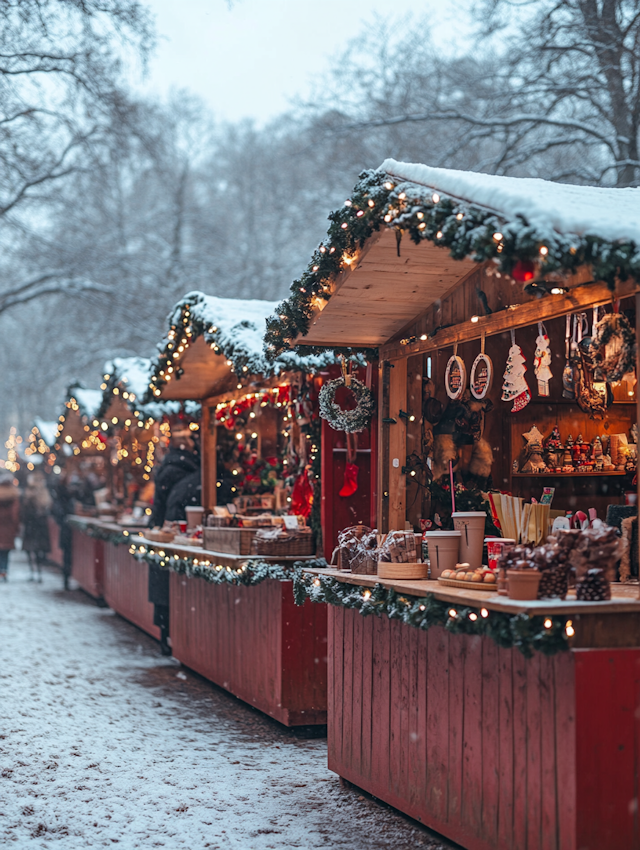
x=126, y=588
x=55, y=552
x=256, y=643
x=493, y=750
x=87, y=563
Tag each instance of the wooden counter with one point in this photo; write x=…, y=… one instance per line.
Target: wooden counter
x=494, y=750
x=253, y=641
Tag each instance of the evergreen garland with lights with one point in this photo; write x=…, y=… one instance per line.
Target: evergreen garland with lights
x=380, y=200
x=528, y=633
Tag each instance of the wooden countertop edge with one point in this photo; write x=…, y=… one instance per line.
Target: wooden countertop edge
x=619, y=604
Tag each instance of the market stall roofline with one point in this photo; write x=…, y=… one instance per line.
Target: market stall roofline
x=235, y=328
x=132, y=374
x=362, y=278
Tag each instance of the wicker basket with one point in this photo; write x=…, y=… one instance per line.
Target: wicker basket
x=159, y=536
x=230, y=541
x=218, y=521
x=284, y=547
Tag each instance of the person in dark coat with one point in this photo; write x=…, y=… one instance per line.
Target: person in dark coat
x=63, y=506
x=9, y=520
x=34, y=515
x=186, y=492
x=181, y=460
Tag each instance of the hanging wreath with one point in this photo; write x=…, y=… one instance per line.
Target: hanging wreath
x=350, y=421
x=615, y=333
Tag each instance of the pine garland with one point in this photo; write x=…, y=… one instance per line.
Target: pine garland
x=252, y=572
x=118, y=538
x=378, y=200
x=527, y=633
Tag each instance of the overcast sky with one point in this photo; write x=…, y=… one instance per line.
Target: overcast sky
x=249, y=59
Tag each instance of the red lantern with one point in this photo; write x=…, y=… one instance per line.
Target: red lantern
x=524, y=271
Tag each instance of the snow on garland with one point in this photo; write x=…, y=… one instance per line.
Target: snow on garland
x=350, y=421
x=507, y=630
x=380, y=200
x=614, y=329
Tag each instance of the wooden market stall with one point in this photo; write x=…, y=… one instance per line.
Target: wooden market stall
x=80, y=460
x=39, y=454
x=135, y=436
x=500, y=723
x=260, y=447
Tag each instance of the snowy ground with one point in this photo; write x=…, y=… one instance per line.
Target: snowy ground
x=103, y=742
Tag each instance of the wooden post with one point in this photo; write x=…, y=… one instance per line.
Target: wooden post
x=397, y=457
x=383, y=448
x=209, y=466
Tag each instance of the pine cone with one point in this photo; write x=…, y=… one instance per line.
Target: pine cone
x=593, y=586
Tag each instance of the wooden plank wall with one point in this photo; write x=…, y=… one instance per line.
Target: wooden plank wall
x=126, y=588
x=493, y=750
x=255, y=643
x=55, y=553
x=87, y=563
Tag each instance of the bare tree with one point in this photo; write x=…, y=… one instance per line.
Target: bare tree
x=552, y=88
x=60, y=64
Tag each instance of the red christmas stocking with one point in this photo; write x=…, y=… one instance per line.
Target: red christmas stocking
x=350, y=480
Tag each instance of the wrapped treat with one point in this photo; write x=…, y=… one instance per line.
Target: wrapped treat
x=365, y=557
x=399, y=547
x=596, y=551
x=348, y=545
x=552, y=559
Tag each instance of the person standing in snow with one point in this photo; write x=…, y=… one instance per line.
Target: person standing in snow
x=34, y=515
x=9, y=520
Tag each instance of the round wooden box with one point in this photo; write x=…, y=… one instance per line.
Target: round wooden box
x=388, y=569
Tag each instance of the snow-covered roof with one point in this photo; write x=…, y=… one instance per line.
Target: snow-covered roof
x=89, y=401
x=48, y=430
x=235, y=329
x=554, y=228
x=133, y=374
x=130, y=372
x=610, y=214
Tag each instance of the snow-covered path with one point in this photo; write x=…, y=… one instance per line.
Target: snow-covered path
x=103, y=742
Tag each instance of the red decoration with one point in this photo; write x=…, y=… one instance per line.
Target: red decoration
x=524, y=271
x=302, y=496
x=350, y=485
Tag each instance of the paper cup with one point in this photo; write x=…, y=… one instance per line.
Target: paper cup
x=471, y=525
x=194, y=515
x=443, y=548
x=494, y=548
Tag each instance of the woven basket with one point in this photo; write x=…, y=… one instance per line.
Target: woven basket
x=284, y=547
x=159, y=536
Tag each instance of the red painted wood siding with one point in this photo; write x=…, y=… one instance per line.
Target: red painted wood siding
x=493, y=750
x=87, y=563
x=126, y=588
x=55, y=552
x=256, y=643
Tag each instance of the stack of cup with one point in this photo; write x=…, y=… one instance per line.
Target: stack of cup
x=443, y=549
x=470, y=524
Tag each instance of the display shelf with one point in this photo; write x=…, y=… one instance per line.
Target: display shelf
x=569, y=474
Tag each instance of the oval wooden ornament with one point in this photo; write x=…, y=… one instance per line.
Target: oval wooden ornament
x=455, y=377
x=481, y=376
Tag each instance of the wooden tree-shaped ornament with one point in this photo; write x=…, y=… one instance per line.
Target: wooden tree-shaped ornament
x=515, y=388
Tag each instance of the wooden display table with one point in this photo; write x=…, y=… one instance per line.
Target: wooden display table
x=87, y=558
x=494, y=750
x=126, y=587
x=253, y=641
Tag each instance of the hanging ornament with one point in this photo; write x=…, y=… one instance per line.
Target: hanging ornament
x=571, y=348
x=515, y=387
x=613, y=347
x=481, y=376
x=542, y=361
x=523, y=271
x=455, y=376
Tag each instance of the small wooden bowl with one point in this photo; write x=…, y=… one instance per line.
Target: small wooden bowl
x=390, y=570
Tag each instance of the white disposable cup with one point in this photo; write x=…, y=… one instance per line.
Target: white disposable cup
x=470, y=524
x=194, y=515
x=443, y=548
